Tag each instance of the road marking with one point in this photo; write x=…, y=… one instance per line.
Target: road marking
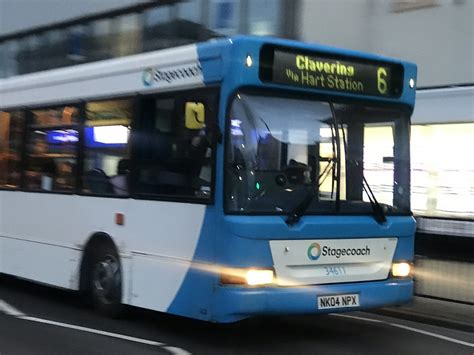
x=435, y=335
x=10, y=310
x=355, y=317
x=176, y=351
x=93, y=331
x=173, y=350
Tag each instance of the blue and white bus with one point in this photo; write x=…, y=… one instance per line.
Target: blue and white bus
x=217, y=181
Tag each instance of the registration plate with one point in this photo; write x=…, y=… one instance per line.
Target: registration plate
x=338, y=301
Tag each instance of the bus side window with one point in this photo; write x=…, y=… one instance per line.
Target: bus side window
x=51, y=158
x=107, y=150
x=11, y=136
x=173, y=152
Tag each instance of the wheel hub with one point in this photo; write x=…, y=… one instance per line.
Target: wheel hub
x=105, y=276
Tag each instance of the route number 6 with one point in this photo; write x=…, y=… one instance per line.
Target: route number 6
x=381, y=82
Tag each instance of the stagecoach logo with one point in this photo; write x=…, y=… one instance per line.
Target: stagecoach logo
x=153, y=75
x=314, y=251
x=147, y=77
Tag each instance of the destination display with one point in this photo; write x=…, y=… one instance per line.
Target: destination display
x=331, y=73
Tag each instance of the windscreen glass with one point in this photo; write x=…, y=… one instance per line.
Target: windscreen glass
x=281, y=149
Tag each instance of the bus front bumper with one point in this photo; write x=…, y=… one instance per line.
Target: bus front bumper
x=236, y=303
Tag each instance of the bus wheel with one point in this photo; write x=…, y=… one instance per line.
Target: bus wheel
x=105, y=280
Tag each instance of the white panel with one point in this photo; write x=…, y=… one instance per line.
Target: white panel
x=179, y=68
x=126, y=263
x=40, y=262
x=152, y=278
x=165, y=251
x=66, y=222
x=329, y=263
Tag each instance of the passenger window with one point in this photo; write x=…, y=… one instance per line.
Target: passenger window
x=174, y=158
x=11, y=136
x=52, y=149
x=107, y=153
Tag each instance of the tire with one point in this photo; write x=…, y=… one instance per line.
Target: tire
x=104, y=280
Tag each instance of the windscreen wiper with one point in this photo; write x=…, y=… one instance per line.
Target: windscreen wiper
x=379, y=214
x=296, y=213
x=337, y=173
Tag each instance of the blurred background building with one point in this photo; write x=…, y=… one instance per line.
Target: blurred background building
x=436, y=34
x=38, y=35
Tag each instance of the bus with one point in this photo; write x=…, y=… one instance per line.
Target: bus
x=218, y=181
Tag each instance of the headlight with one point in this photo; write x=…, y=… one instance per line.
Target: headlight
x=249, y=277
x=402, y=269
x=259, y=277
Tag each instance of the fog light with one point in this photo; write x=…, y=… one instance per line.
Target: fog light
x=259, y=277
x=401, y=269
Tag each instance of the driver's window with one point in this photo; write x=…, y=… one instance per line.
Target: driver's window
x=378, y=160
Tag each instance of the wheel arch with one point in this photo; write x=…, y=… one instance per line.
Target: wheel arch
x=97, y=238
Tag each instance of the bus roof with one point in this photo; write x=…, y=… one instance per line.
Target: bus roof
x=169, y=69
